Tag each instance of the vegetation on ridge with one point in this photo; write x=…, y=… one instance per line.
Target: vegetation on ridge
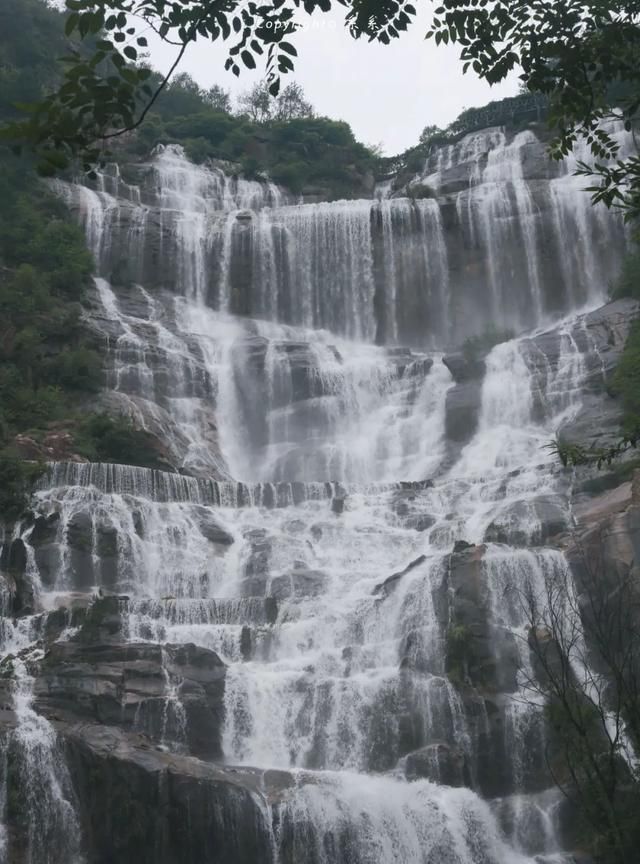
x=302, y=152
x=49, y=366
x=575, y=54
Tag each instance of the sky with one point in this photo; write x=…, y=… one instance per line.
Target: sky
x=388, y=93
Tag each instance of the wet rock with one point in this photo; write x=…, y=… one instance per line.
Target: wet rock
x=477, y=652
x=462, y=409
x=420, y=521
x=601, y=336
x=529, y=523
x=211, y=528
x=105, y=619
x=440, y=763
x=415, y=485
x=107, y=551
x=463, y=368
x=136, y=803
x=299, y=583
x=175, y=692
x=79, y=535
x=44, y=541
x=546, y=655
x=389, y=584
x=19, y=592
x=246, y=643
x=256, y=568
x=60, y=620
x=338, y=505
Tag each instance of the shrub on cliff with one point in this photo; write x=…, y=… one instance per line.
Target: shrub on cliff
x=102, y=438
x=16, y=482
x=626, y=380
x=628, y=283
x=44, y=269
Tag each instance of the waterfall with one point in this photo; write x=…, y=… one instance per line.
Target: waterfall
x=356, y=571
x=36, y=791
x=497, y=244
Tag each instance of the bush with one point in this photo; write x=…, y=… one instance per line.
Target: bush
x=16, y=482
x=420, y=191
x=628, y=283
x=626, y=381
x=44, y=359
x=102, y=438
x=77, y=369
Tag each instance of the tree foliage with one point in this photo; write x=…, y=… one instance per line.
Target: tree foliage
x=584, y=637
x=628, y=282
x=45, y=267
x=260, y=106
x=16, y=482
x=218, y=99
x=105, y=91
x=582, y=54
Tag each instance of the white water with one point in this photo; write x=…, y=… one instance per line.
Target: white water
x=325, y=687
x=518, y=244
x=34, y=776
x=346, y=675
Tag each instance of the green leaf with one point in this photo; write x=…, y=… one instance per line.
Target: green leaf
x=71, y=23
x=247, y=59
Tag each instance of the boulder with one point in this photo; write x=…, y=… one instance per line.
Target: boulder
x=440, y=763
x=464, y=368
x=462, y=409
x=44, y=541
x=529, y=523
x=383, y=589
x=171, y=693
x=138, y=804
x=298, y=584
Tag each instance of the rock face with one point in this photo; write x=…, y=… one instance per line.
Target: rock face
x=172, y=693
x=604, y=552
x=439, y=763
x=138, y=804
x=117, y=707
x=601, y=338
x=501, y=215
x=352, y=610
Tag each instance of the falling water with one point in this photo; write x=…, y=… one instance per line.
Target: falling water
x=402, y=270
x=324, y=530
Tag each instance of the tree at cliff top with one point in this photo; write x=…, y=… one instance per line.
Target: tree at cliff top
x=575, y=52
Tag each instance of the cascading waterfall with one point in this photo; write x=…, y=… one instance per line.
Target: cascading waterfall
x=35, y=783
x=494, y=243
x=342, y=656
x=327, y=540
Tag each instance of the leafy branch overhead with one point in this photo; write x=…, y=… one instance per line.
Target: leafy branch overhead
x=585, y=56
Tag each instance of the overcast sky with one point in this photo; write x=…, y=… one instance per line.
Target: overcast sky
x=387, y=93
